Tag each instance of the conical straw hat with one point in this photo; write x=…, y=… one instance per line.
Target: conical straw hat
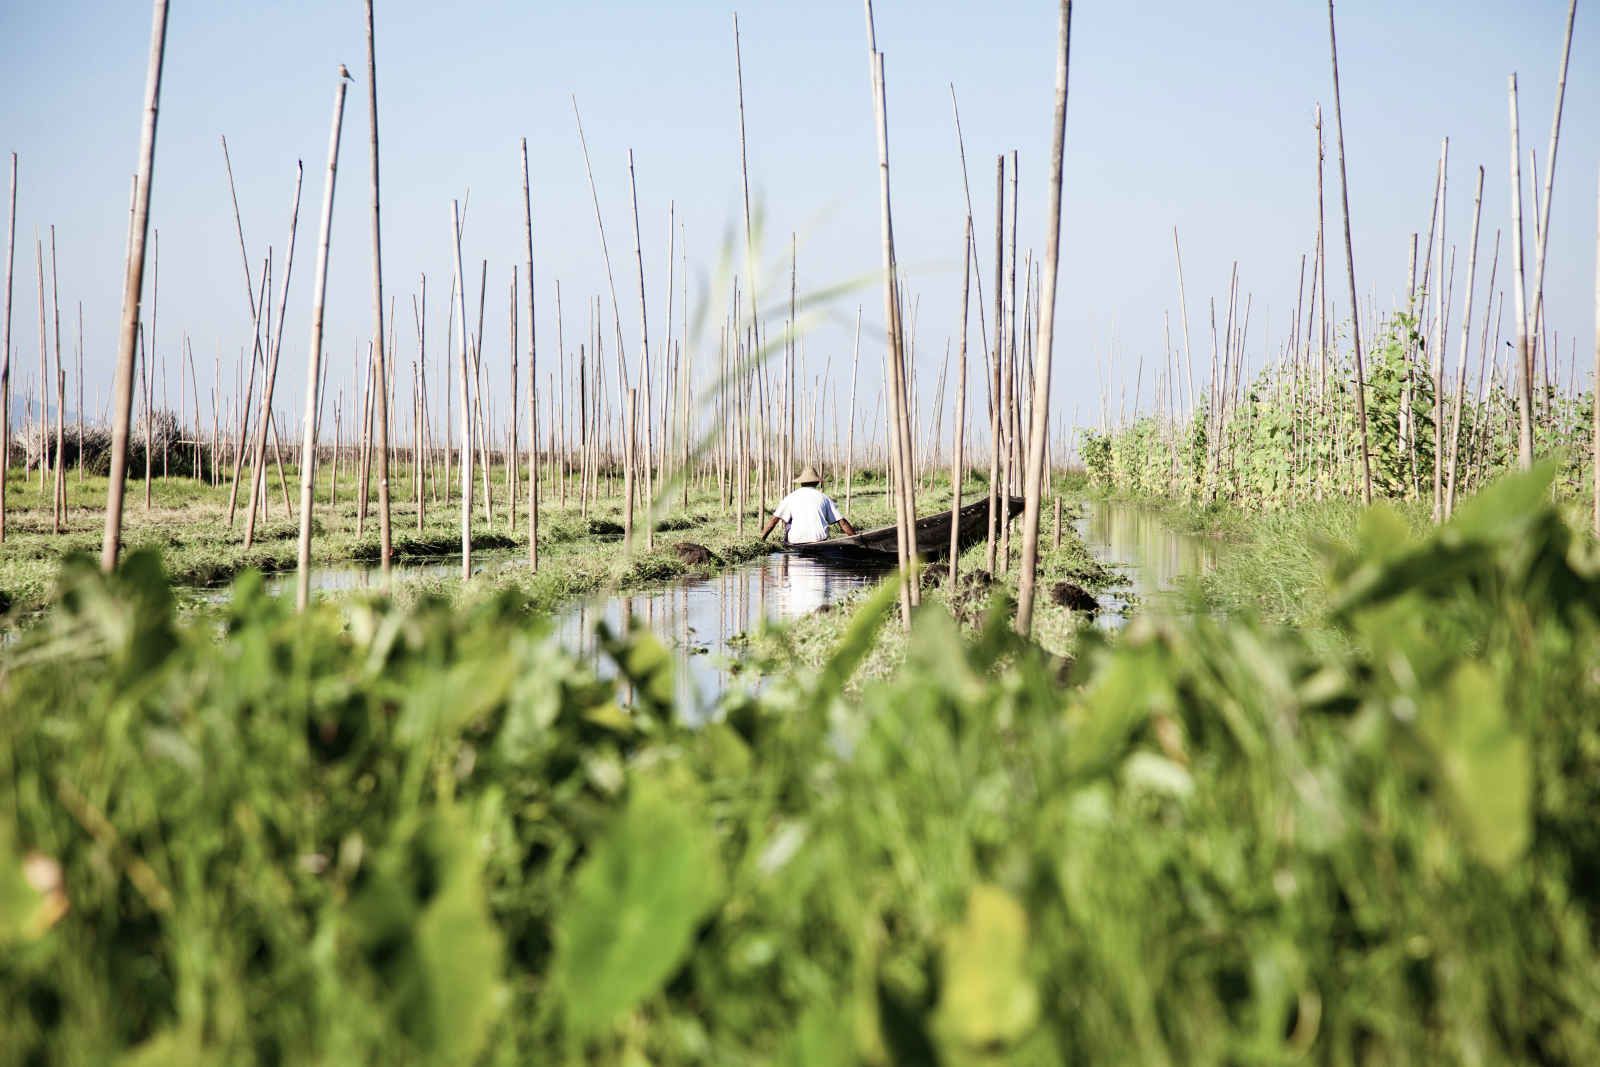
x=809, y=476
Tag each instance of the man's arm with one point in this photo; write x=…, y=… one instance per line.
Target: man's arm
x=772, y=522
x=832, y=514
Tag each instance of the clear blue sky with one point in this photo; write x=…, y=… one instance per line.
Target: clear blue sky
x=1198, y=116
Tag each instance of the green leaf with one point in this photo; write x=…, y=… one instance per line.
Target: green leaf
x=1485, y=762
x=422, y=918
x=634, y=906
x=460, y=951
x=986, y=997
x=1505, y=505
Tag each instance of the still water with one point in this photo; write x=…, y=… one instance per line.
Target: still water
x=702, y=619
x=1155, y=559
x=699, y=618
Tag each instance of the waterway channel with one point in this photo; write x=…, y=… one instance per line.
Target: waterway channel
x=702, y=618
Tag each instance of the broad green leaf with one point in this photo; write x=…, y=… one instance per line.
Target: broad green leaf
x=634, y=905
x=1485, y=762
x=423, y=919
x=1504, y=505
x=987, y=997
x=459, y=947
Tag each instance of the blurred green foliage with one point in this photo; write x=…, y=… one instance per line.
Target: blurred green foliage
x=367, y=834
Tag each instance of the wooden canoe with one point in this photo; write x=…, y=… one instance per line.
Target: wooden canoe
x=876, y=548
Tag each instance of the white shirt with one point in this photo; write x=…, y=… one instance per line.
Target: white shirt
x=807, y=513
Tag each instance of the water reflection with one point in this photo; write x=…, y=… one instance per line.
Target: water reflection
x=700, y=618
x=1156, y=559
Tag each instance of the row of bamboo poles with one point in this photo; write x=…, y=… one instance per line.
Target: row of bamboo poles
x=739, y=417
x=1301, y=374
x=747, y=433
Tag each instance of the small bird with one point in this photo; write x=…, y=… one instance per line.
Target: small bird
x=344, y=72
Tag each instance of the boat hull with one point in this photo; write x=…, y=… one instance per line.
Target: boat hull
x=876, y=548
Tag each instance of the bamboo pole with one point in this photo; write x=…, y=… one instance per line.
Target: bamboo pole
x=39, y=434
x=385, y=535
x=1595, y=384
x=644, y=370
x=957, y=459
x=132, y=290
x=1350, y=264
x=512, y=459
x=1466, y=339
x=629, y=453
x=1008, y=379
x=994, y=364
x=1542, y=205
x=319, y=288
x=258, y=463
x=480, y=422
x=58, y=498
x=1436, y=353
x=741, y=422
x=533, y=370
x=900, y=431
x=149, y=355
x=605, y=254
x=1038, y=439
x=1524, y=355
x=463, y=396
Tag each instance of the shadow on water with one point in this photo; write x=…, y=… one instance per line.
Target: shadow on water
x=1156, y=559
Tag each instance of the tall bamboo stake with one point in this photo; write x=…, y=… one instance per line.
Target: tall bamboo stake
x=1350, y=265
x=512, y=459
x=385, y=534
x=629, y=454
x=1595, y=385
x=533, y=370
x=258, y=463
x=751, y=279
x=149, y=383
x=1466, y=339
x=1436, y=355
x=900, y=454
x=644, y=369
x=464, y=398
x=1038, y=439
x=957, y=459
x=58, y=510
x=132, y=292
x=319, y=288
x=1524, y=355
x=994, y=363
x=1542, y=206
x=44, y=367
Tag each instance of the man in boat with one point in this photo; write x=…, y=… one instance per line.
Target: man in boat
x=807, y=513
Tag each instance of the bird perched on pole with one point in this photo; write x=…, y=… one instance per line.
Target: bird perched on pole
x=344, y=72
